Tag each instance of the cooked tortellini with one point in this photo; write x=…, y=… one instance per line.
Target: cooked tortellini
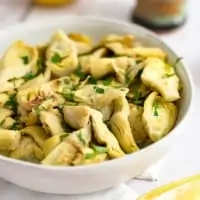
x=71, y=101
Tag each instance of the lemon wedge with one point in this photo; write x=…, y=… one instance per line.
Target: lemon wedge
x=185, y=189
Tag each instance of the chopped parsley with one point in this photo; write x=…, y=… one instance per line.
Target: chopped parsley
x=90, y=155
x=107, y=81
x=168, y=75
x=56, y=58
x=63, y=136
x=99, y=90
x=177, y=61
x=92, y=80
x=79, y=73
x=68, y=96
x=80, y=137
x=155, y=107
x=12, y=102
x=2, y=122
x=29, y=76
x=25, y=59
x=99, y=149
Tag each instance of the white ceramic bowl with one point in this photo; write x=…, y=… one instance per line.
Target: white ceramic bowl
x=86, y=179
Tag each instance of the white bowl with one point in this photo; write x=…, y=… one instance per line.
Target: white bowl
x=86, y=179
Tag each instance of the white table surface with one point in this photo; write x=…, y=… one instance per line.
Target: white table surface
x=184, y=159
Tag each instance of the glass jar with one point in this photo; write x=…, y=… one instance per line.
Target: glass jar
x=160, y=14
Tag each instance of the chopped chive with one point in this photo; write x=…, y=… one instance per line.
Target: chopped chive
x=29, y=76
x=63, y=136
x=56, y=58
x=25, y=59
x=155, y=106
x=99, y=149
x=68, y=96
x=127, y=78
x=107, y=81
x=99, y=90
x=79, y=73
x=90, y=155
x=12, y=102
x=80, y=137
x=92, y=80
x=168, y=75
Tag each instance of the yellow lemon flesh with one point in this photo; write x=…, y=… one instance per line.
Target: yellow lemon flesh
x=185, y=189
x=52, y=2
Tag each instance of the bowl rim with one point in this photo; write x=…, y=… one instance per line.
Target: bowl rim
x=49, y=23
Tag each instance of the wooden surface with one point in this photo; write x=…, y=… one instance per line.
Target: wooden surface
x=183, y=160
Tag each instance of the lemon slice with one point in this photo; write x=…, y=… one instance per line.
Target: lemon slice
x=185, y=189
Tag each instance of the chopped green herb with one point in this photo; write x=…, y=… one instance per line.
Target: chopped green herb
x=37, y=110
x=177, y=61
x=99, y=149
x=29, y=76
x=63, y=136
x=168, y=75
x=56, y=58
x=79, y=73
x=68, y=96
x=12, y=102
x=41, y=66
x=2, y=122
x=99, y=90
x=90, y=155
x=107, y=81
x=127, y=78
x=25, y=59
x=15, y=126
x=155, y=106
x=80, y=137
x=92, y=80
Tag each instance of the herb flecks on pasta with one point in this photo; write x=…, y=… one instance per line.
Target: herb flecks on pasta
x=72, y=102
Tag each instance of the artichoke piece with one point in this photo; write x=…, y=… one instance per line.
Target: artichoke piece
x=9, y=140
x=89, y=156
x=39, y=80
x=107, y=112
x=61, y=55
x=144, y=52
x=63, y=154
x=76, y=116
x=126, y=40
x=51, y=123
x=51, y=144
x=37, y=133
x=161, y=77
x=98, y=96
x=83, y=42
x=18, y=60
x=137, y=126
x=25, y=150
x=104, y=136
x=159, y=116
x=120, y=126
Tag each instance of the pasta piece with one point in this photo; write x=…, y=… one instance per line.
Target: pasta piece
x=61, y=55
x=126, y=40
x=120, y=126
x=37, y=133
x=161, y=77
x=17, y=61
x=159, y=116
x=104, y=136
x=25, y=150
x=51, y=123
x=51, y=144
x=98, y=96
x=139, y=51
x=76, y=116
x=9, y=139
x=137, y=126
